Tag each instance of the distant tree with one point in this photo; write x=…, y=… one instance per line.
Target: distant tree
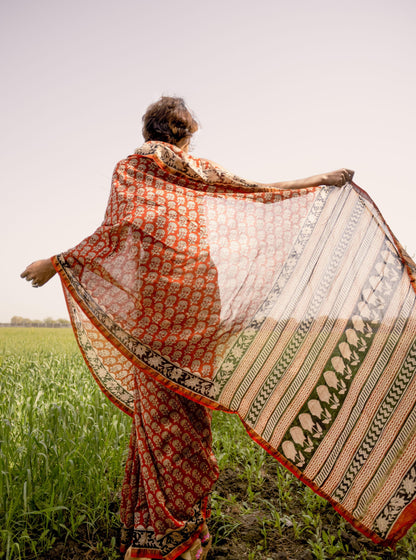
x=20, y=321
x=63, y=322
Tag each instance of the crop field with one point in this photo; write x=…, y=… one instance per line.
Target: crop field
x=62, y=451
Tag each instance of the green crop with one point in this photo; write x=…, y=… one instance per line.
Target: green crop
x=62, y=453
x=62, y=445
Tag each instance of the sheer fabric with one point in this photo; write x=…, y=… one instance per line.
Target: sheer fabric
x=294, y=309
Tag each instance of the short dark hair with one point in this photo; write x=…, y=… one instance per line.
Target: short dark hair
x=168, y=120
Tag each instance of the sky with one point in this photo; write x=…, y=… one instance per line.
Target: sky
x=282, y=90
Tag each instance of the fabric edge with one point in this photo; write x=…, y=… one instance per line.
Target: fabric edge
x=107, y=393
x=395, y=534
x=407, y=261
x=131, y=357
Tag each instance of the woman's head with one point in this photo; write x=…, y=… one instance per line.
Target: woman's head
x=169, y=120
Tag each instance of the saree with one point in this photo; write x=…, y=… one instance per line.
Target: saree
x=169, y=475
x=294, y=309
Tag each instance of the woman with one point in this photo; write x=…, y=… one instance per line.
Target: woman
x=170, y=469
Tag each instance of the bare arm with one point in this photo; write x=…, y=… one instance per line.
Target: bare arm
x=39, y=272
x=335, y=178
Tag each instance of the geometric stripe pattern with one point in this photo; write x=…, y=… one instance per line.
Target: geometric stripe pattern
x=339, y=372
x=379, y=422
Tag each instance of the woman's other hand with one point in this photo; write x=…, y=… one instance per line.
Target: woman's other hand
x=337, y=178
x=39, y=272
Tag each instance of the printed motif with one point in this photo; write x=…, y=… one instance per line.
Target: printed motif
x=295, y=309
x=169, y=472
x=283, y=263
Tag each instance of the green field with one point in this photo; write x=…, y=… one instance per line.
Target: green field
x=61, y=463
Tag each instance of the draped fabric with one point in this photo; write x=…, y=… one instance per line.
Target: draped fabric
x=170, y=472
x=294, y=309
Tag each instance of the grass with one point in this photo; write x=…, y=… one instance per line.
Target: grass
x=62, y=449
x=62, y=445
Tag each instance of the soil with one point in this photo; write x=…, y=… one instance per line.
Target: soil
x=281, y=544
x=241, y=536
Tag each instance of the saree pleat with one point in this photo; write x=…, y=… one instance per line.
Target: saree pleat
x=294, y=309
x=170, y=472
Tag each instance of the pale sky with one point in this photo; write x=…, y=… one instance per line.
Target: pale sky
x=282, y=90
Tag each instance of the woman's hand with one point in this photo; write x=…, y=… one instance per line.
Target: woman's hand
x=337, y=178
x=39, y=272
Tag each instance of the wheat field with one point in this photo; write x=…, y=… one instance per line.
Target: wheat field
x=62, y=452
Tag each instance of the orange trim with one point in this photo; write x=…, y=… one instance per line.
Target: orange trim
x=403, y=524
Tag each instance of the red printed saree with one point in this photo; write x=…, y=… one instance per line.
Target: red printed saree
x=293, y=309
x=170, y=472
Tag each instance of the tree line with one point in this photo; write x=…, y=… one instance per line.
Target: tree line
x=17, y=321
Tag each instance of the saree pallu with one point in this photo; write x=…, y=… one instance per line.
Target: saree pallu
x=294, y=309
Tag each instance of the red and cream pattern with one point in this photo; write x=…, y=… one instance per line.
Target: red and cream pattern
x=294, y=309
x=170, y=472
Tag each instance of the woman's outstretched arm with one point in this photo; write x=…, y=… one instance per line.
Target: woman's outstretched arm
x=333, y=178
